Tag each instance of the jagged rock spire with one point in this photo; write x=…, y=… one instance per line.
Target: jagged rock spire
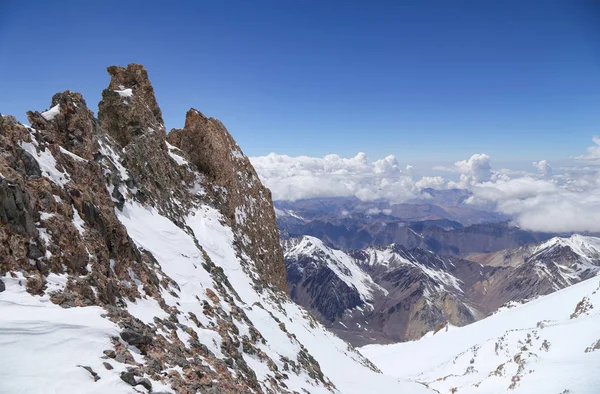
x=69, y=123
x=128, y=107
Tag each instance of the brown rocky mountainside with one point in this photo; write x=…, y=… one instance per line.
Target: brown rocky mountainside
x=172, y=242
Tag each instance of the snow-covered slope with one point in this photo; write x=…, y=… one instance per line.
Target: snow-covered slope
x=549, y=345
x=47, y=347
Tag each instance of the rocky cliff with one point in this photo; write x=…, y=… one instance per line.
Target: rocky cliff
x=132, y=261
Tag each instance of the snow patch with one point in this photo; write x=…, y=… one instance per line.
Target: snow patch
x=51, y=113
x=124, y=92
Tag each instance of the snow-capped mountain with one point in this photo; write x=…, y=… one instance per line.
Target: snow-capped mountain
x=136, y=262
x=350, y=224
x=549, y=345
x=379, y=294
x=382, y=294
x=537, y=269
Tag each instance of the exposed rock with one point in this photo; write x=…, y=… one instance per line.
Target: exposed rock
x=73, y=127
x=247, y=203
x=31, y=166
x=129, y=378
x=2, y=286
x=128, y=107
x=379, y=294
x=135, y=338
x=91, y=371
x=144, y=382
x=15, y=209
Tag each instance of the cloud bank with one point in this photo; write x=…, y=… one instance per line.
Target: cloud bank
x=293, y=178
x=538, y=201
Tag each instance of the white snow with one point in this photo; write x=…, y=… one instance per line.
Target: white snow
x=114, y=158
x=46, y=162
x=43, y=344
x=466, y=358
x=146, y=309
x=124, y=92
x=178, y=159
x=46, y=215
x=179, y=258
x=73, y=155
x=78, y=222
x=52, y=112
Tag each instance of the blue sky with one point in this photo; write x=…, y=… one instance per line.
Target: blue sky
x=427, y=81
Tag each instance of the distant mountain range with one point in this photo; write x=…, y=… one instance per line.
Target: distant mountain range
x=439, y=204
x=349, y=224
x=393, y=293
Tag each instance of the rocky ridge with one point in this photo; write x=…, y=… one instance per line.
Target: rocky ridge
x=168, y=243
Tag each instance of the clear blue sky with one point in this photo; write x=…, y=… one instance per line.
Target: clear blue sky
x=423, y=80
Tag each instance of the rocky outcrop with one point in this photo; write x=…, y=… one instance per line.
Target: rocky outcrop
x=69, y=187
x=246, y=202
x=128, y=108
x=72, y=125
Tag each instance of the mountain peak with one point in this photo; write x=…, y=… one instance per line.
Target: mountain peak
x=129, y=107
x=588, y=248
x=245, y=201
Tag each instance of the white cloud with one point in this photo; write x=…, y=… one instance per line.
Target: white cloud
x=293, y=178
x=474, y=170
x=544, y=168
x=434, y=182
x=593, y=151
x=542, y=201
x=571, y=205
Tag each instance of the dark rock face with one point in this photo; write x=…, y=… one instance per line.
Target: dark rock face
x=15, y=210
x=247, y=203
x=129, y=378
x=31, y=166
